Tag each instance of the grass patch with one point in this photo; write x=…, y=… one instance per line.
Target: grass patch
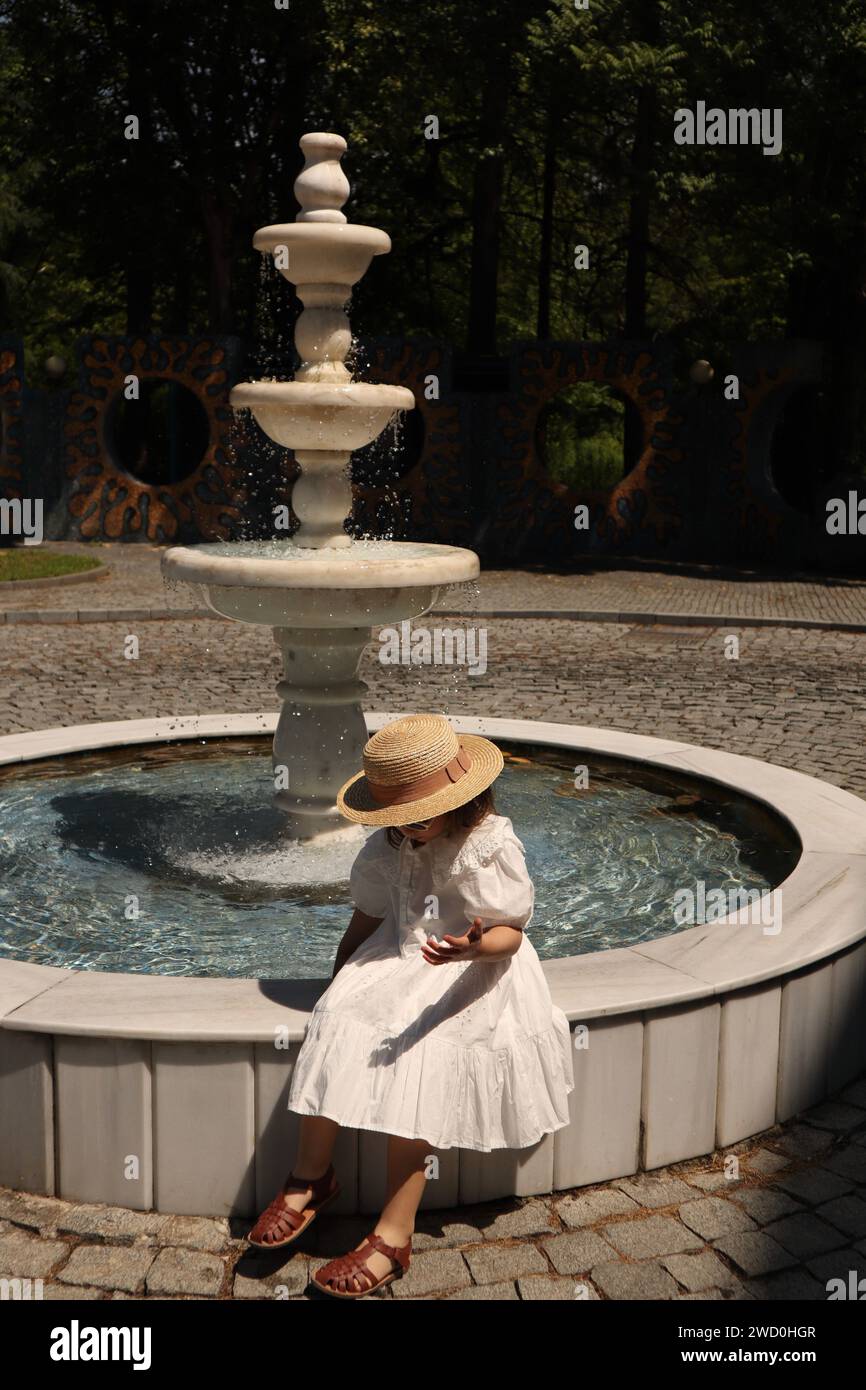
x=31, y=562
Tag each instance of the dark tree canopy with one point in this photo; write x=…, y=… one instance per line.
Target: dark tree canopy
x=555, y=129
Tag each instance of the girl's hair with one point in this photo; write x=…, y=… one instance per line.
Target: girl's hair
x=464, y=817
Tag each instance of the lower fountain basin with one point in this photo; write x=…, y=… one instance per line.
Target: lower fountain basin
x=686, y=1042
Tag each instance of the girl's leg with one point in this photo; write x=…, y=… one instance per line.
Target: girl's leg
x=315, y=1147
x=405, y=1188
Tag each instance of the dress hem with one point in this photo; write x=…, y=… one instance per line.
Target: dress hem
x=403, y=1134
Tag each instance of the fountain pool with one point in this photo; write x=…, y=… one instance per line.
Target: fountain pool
x=170, y=860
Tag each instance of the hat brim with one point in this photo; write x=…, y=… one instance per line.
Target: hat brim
x=356, y=802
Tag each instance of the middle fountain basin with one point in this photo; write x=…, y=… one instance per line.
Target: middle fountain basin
x=321, y=414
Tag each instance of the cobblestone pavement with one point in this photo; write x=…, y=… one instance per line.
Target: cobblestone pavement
x=135, y=582
x=770, y=1219
x=793, y=696
x=795, y=1214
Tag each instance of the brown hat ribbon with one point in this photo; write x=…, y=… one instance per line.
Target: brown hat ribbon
x=423, y=786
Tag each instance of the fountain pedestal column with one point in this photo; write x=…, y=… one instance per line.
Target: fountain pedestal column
x=320, y=736
x=322, y=497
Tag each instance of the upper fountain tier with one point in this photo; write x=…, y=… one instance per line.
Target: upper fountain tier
x=323, y=415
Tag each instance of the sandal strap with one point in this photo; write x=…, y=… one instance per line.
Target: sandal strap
x=353, y=1265
x=401, y=1255
x=275, y=1216
x=287, y=1215
x=347, y=1268
x=320, y=1186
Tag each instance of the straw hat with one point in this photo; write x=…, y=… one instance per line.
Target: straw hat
x=417, y=768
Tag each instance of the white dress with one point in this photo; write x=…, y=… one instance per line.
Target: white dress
x=472, y=1054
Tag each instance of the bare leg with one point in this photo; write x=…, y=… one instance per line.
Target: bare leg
x=315, y=1145
x=405, y=1188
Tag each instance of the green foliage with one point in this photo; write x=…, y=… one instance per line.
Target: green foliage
x=581, y=437
x=99, y=233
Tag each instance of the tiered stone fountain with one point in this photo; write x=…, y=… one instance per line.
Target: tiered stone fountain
x=321, y=591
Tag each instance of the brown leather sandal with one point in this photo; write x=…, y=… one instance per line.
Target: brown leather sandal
x=341, y=1271
x=286, y=1225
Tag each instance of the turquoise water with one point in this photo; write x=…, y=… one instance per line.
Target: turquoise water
x=171, y=860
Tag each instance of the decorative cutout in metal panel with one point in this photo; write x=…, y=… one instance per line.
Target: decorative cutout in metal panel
x=107, y=500
x=532, y=513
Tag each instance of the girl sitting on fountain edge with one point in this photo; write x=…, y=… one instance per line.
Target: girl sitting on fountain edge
x=448, y=1042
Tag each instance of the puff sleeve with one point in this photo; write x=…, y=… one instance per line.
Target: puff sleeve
x=368, y=882
x=498, y=889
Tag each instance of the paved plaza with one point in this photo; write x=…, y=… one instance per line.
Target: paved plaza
x=792, y=695
x=783, y=1220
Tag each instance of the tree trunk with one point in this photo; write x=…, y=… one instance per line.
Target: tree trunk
x=827, y=302
x=139, y=293
x=487, y=213
x=546, y=250
x=635, y=326
x=637, y=247
x=219, y=222
x=139, y=272
x=639, y=217
x=178, y=315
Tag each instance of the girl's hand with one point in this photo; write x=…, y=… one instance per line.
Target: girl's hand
x=454, y=947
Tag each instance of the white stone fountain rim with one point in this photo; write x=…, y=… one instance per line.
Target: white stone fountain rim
x=320, y=395
x=823, y=897
x=408, y=564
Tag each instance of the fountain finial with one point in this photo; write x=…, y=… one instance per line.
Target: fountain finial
x=321, y=187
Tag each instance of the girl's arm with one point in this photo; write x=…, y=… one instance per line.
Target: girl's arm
x=360, y=927
x=497, y=943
